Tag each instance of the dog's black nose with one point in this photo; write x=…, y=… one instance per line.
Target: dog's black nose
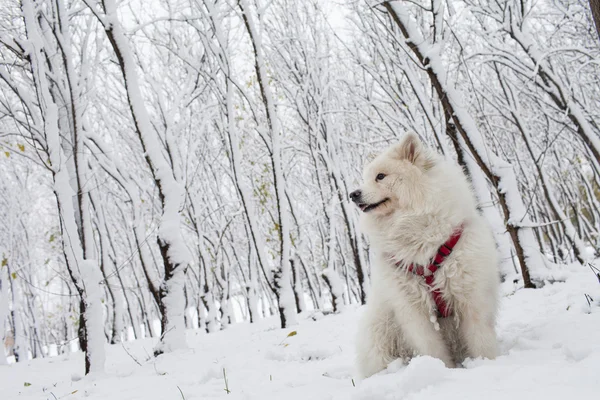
x=355, y=196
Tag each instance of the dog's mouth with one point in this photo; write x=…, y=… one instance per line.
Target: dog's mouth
x=368, y=207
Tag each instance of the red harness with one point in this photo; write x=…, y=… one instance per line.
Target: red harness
x=443, y=252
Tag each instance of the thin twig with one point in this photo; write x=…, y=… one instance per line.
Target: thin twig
x=130, y=355
x=226, y=383
x=595, y=270
x=182, y=396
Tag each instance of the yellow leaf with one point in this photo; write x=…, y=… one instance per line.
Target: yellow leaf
x=51, y=238
x=4, y=262
x=26, y=384
x=292, y=333
x=7, y=154
x=21, y=147
x=14, y=275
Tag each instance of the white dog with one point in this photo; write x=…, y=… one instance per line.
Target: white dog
x=434, y=286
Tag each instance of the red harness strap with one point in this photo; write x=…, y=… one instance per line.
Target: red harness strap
x=443, y=252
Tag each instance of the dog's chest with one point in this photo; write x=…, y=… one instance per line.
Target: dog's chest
x=429, y=290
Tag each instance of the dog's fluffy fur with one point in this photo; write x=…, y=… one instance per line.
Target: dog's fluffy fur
x=420, y=201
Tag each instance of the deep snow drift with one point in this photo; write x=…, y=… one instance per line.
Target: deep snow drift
x=549, y=341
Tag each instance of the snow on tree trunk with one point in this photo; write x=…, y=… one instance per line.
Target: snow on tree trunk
x=3, y=308
x=336, y=288
x=492, y=215
x=124, y=178
x=212, y=324
x=225, y=303
x=174, y=253
x=298, y=290
x=84, y=272
x=20, y=345
x=252, y=301
x=283, y=278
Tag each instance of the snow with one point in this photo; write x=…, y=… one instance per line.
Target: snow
x=548, y=342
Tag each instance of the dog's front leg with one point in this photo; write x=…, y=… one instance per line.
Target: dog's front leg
x=477, y=331
x=420, y=333
x=378, y=339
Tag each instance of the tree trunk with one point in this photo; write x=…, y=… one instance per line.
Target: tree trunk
x=595, y=7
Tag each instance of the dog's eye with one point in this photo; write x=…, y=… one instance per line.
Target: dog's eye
x=379, y=177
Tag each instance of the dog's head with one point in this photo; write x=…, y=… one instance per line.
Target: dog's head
x=396, y=179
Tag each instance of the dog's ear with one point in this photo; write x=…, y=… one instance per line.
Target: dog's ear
x=409, y=148
x=412, y=149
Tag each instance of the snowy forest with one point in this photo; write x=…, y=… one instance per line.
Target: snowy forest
x=185, y=165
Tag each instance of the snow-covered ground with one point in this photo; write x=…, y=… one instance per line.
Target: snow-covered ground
x=549, y=338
